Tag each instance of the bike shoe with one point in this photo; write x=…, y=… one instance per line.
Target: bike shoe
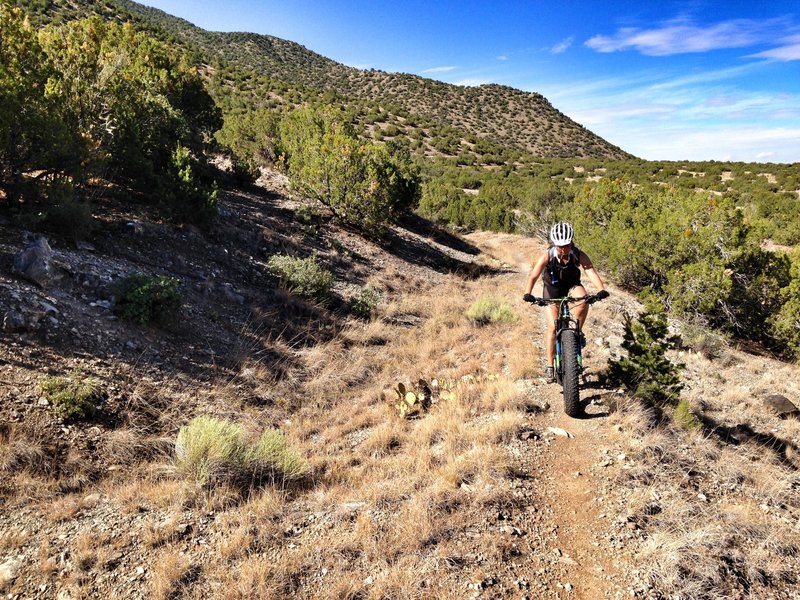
x=549, y=375
x=582, y=340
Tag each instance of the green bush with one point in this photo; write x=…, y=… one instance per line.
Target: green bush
x=696, y=252
x=685, y=417
x=212, y=451
x=302, y=276
x=646, y=371
x=253, y=137
x=131, y=100
x=67, y=215
x=187, y=196
x=490, y=310
x=145, y=299
x=271, y=457
x=72, y=397
x=365, y=185
x=785, y=324
x=364, y=304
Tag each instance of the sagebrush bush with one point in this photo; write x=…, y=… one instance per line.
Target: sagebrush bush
x=145, y=299
x=272, y=457
x=212, y=451
x=491, y=310
x=208, y=449
x=364, y=304
x=72, y=397
x=702, y=339
x=302, y=276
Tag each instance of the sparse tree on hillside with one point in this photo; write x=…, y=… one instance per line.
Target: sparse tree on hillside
x=364, y=184
x=135, y=102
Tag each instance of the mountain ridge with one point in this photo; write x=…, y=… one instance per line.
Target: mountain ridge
x=525, y=121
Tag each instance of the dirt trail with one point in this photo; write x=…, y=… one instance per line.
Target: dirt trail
x=577, y=500
x=580, y=552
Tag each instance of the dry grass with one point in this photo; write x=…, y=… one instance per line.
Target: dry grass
x=170, y=573
x=715, y=514
x=89, y=548
x=64, y=509
x=394, y=493
x=14, y=538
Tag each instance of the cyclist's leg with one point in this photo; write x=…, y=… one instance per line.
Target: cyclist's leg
x=551, y=314
x=581, y=309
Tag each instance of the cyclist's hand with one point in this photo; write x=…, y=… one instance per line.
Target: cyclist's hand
x=528, y=298
x=601, y=295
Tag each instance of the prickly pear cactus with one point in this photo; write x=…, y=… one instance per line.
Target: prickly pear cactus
x=413, y=399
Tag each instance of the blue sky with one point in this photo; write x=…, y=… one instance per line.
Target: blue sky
x=690, y=80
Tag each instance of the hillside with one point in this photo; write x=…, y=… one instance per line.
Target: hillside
x=525, y=121
x=503, y=115
x=201, y=373
x=482, y=496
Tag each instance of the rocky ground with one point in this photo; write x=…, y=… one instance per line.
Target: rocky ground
x=90, y=507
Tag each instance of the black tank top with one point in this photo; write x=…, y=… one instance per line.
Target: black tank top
x=563, y=275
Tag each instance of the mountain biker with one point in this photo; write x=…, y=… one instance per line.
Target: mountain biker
x=560, y=270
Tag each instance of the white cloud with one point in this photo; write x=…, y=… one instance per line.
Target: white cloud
x=439, y=70
x=562, y=46
x=681, y=36
x=473, y=81
x=746, y=144
x=502, y=57
x=790, y=50
x=670, y=116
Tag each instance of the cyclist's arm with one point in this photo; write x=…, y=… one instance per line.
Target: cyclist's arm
x=589, y=269
x=536, y=272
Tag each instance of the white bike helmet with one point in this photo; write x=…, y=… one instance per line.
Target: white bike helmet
x=561, y=234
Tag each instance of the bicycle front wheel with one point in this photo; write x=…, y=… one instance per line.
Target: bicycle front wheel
x=569, y=380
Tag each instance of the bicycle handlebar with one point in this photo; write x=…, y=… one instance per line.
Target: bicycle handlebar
x=589, y=298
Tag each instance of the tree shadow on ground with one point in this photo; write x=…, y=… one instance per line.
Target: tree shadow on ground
x=438, y=234
x=742, y=433
x=419, y=242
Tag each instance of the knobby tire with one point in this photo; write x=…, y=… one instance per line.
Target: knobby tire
x=569, y=361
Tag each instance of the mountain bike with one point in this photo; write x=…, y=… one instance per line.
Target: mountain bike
x=569, y=343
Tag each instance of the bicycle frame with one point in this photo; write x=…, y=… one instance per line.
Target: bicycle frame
x=568, y=359
x=564, y=320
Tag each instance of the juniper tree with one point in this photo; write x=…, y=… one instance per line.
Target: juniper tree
x=646, y=371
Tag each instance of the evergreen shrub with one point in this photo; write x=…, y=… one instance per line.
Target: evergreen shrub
x=646, y=371
x=302, y=276
x=72, y=397
x=144, y=299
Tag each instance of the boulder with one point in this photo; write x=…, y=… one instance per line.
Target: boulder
x=35, y=263
x=9, y=571
x=781, y=406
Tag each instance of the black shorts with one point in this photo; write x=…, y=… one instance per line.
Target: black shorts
x=557, y=291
